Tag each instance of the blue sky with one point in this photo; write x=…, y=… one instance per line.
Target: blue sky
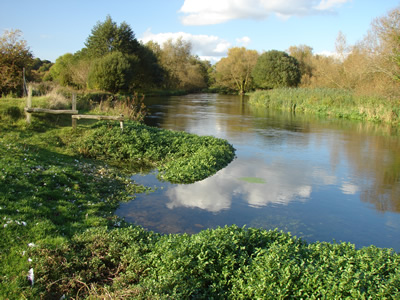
x=53, y=28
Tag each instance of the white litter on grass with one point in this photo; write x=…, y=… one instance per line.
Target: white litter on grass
x=31, y=276
x=31, y=245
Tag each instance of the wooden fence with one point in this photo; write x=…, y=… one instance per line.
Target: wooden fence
x=29, y=110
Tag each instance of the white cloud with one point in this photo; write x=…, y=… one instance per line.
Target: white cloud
x=208, y=12
x=244, y=41
x=208, y=47
x=329, y=4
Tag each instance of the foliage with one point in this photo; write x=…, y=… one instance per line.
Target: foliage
x=107, y=37
x=183, y=70
x=61, y=70
x=113, y=60
x=14, y=57
x=179, y=156
x=276, y=69
x=112, y=73
x=330, y=102
x=223, y=263
x=304, y=55
x=234, y=72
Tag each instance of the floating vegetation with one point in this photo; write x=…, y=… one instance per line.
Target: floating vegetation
x=179, y=156
x=253, y=180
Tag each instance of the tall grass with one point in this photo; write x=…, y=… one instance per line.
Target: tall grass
x=330, y=102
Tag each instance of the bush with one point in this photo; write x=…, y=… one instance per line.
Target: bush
x=111, y=73
x=276, y=69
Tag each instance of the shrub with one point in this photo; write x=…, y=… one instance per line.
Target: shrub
x=276, y=69
x=111, y=73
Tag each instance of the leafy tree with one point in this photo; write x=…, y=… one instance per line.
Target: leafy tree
x=108, y=37
x=148, y=73
x=276, y=69
x=60, y=72
x=183, y=70
x=304, y=56
x=381, y=48
x=111, y=73
x=234, y=72
x=14, y=56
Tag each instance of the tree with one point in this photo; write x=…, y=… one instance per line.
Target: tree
x=108, y=37
x=182, y=69
x=111, y=73
x=304, y=56
x=276, y=69
x=234, y=71
x=382, y=50
x=14, y=57
x=60, y=72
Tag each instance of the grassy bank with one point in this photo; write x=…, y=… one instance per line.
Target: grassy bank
x=59, y=189
x=330, y=102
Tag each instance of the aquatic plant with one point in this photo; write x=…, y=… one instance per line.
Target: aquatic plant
x=179, y=156
x=330, y=102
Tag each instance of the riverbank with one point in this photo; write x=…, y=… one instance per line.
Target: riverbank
x=59, y=189
x=330, y=102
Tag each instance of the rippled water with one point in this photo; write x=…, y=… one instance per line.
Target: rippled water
x=318, y=178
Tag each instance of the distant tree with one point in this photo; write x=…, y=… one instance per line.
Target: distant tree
x=60, y=72
x=14, y=57
x=276, y=69
x=108, y=37
x=39, y=69
x=182, y=69
x=111, y=73
x=382, y=47
x=234, y=71
x=148, y=72
x=304, y=56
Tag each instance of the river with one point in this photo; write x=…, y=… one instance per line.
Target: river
x=320, y=179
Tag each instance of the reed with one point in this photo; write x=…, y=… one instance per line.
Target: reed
x=330, y=102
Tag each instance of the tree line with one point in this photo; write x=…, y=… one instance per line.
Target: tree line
x=113, y=60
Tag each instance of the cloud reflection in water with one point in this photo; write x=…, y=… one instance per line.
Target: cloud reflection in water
x=216, y=193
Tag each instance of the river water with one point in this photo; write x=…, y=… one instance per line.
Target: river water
x=320, y=179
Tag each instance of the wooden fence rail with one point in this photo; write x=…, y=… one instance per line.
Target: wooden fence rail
x=73, y=112
x=99, y=117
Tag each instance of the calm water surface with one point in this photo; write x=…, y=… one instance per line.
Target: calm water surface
x=318, y=178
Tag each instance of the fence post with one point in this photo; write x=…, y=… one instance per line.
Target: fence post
x=121, y=123
x=29, y=104
x=73, y=108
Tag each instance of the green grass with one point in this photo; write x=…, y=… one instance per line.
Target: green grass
x=58, y=192
x=330, y=102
